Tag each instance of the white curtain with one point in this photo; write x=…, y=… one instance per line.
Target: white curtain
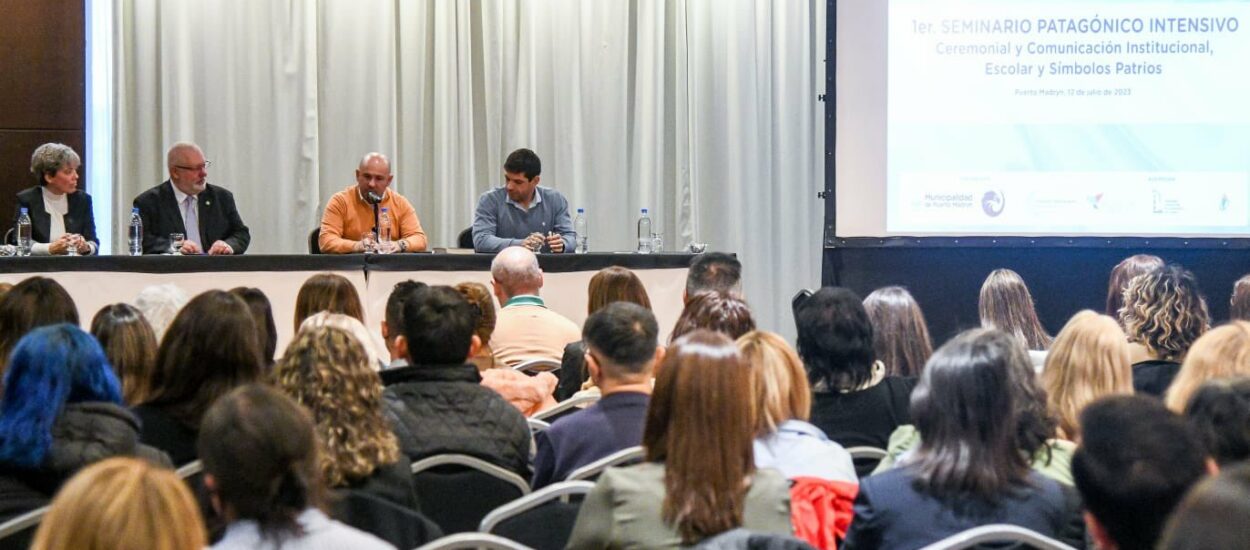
x=703, y=111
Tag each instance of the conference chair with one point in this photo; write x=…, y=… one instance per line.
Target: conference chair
x=542, y=519
x=623, y=457
x=535, y=366
x=314, y=240
x=457, y=491
x=19, y=532
x=480, y=541
x=465, y=239
x=388, y=521
x=866, y=459
x=565, y=406
x=998, y=533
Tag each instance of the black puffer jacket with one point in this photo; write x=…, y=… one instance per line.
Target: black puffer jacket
x=84, y=433
x=443, y=409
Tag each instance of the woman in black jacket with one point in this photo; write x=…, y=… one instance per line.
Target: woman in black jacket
x=61, y=217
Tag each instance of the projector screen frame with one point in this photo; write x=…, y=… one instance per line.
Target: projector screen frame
x=832, y=240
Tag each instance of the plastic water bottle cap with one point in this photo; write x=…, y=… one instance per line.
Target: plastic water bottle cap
x=644, y=210
x=384, y=209
x=134, y=210
x=23, y=209
x=581, y=210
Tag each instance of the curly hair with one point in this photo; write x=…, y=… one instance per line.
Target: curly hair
x=715, y=311
x=326, y=370
x=1164, y=311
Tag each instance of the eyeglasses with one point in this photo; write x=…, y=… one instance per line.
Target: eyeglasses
x=194, y=168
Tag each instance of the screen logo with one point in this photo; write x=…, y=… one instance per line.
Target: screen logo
x=992, y=203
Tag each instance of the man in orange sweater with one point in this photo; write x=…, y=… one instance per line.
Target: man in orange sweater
x=347, y=225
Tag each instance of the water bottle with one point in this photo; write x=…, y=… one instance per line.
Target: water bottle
x=136, y=232
x=384, y=231
x=23, y=232
x=583, y=237
x=644, y=233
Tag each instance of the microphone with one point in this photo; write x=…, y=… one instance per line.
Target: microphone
x=373, y=198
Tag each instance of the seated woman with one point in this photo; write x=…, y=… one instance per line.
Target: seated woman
x=262, y=313
x=122, y=503
x=1088, y=360
x=963, y=475
x=326, y=370
x=130, y=345
x=1222, y=353
x=783, y=439
x=900, y=336
x=1117, y=283
x=529, y=394
x=699, y=478
x=259, y=451
x=1213, y=514
x=61, y=411
x=608, y=285
x=1163, y=311
x=1006, y=304
x=351, y=326
x=61, y=218
x=855, y=403
x=209, y=349
x=34, y=302
x=715, y=311
x=327, y=292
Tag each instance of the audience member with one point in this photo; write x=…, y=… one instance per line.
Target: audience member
x=5, y=288
x=353, y=327
x=1239, y=304
x=714, y=311
x=524, y=328
x=608, y=285
x=210, y=348
x=784, y=440
x=61, y=411
x=32, y=303
x=855, y=403
x=259, y=452
x=1224, y=352
x=1006, y=304
x=327, y=292
x=262, y=314
x=713, y=272
x=1122, y=274
x=1213, y=515
x=326, y=370
x=1088, y=360
x=159, y=305
x=122, y=503
x=1164, y=311
x=900, y=336
x=393, y=320
x=1219, y=411
x=621, y=355
x=963, y=475
x=699, y=478
x=436, y=405
x=480, y=298
x=1135, y=462
x=130, y=346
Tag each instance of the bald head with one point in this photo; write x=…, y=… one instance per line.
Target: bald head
x=514, y=272
x=374, y=174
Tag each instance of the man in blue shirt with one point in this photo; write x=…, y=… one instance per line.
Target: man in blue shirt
x=521, y=213
x=621, y=354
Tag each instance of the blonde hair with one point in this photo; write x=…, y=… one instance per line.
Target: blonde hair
x=1164, y=311
x=122, y=503
x=1224, y=352
x=326, y=370
x=781, y=391
x=1088, y=360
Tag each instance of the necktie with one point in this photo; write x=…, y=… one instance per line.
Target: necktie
x=191, y=219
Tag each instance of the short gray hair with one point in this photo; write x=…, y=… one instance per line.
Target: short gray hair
x=516, y=269
x=49, y=158
x=178, y=148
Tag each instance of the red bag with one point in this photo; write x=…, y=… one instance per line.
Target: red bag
x=820, y=510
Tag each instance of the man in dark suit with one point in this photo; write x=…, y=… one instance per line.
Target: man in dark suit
x=186, y=203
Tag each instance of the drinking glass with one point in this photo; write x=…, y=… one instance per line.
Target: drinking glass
x=175, y=243
x=74, y=242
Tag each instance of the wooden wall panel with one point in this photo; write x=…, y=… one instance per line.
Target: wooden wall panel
x=43, y=93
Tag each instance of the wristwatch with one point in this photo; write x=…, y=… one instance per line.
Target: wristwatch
x=403, y=246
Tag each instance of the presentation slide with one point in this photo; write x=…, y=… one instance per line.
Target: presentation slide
x=1034, y=117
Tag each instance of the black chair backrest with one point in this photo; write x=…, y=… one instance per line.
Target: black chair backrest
x=465, y=240
x=386, y=520
x=546, y=526
x=314, y=241
x=457, y=497
x=866, y=459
